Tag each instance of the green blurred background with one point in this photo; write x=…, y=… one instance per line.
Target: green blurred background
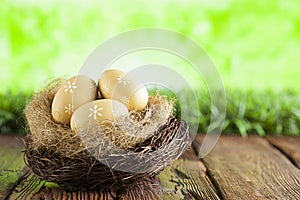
x=255, y=45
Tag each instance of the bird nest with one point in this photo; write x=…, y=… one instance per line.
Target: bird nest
x=104, y=155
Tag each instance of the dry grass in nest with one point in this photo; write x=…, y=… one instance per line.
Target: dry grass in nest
x=102, y=156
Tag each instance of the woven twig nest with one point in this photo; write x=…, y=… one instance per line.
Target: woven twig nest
x=95, y=157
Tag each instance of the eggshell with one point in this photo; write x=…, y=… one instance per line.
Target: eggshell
x=116, y=84
x=75, y=92
x=97, y=111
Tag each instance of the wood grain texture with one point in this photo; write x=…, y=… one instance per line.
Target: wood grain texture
x=289, y=145
x=57, y=193
x=187, y=179
x=146, y=190
x=11, y=163
x=28, y=186
x=250, y=168
x=31, y=188
x=239, y=168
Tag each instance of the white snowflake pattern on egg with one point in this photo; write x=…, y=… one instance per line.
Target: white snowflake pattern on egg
x=95, y=111
x=123, y=87
x=72, y=94
x=125, y=100
x=123, y=80
x=70, y=87
x=104, y=89
x=69, y=109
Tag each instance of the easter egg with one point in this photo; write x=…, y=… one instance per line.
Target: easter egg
x=73, y=93
x=116, y=84
x=96, y=112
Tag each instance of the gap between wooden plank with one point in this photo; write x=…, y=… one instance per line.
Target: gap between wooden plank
x=196, y=143
x=28, y=185
x=251, y=169
x=285, y=154
x=33, y=188
x=188, y=172
x=187, y=179
x=288, y=145
x=12, y=164
x=18, y=182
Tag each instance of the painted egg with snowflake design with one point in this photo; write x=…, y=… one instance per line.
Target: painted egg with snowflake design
x=97, y=111
x=73, y=93
x=118, y=85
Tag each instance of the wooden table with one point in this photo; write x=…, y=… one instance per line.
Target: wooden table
x=237, y=168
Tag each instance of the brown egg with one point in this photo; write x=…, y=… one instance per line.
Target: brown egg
x=75, y=92
x=97, y=111
x=115, y=84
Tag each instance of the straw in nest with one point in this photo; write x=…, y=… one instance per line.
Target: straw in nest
x=55, y=153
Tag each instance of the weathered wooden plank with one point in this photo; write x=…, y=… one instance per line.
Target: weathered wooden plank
x=187, y=179
x=47, y=193
x=31, y=188
x=28, y=186
x=146, y=190
x=11, y=162
x=250, y=168
x=289, y=145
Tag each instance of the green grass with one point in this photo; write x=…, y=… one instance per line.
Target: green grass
x=265, y=112
x=255, y=45
x=252, y=112
x=247, y=112
x=12, y=118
